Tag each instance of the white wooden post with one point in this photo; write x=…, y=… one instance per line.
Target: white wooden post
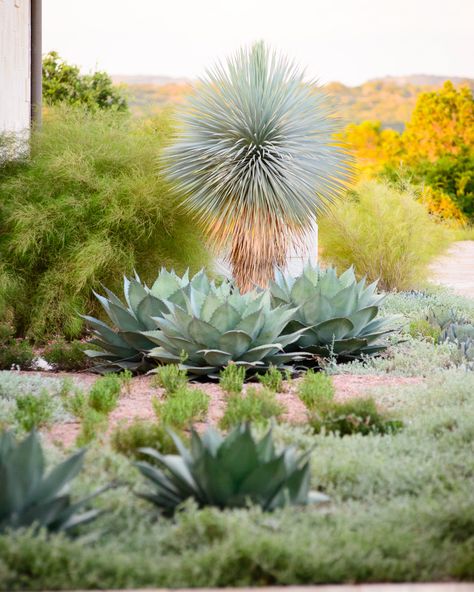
x=15, y=73
x=298, y=256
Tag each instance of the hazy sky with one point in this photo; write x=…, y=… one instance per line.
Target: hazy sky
x=346, y=40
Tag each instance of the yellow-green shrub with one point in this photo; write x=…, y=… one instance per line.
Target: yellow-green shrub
x=384, y=233
x=88, y=205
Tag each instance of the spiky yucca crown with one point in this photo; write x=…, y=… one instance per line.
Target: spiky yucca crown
x=256, y=157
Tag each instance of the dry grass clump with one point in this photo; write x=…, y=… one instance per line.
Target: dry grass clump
x=384, y=233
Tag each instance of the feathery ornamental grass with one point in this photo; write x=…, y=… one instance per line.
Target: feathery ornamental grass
x=88, y=205
x=255, y=155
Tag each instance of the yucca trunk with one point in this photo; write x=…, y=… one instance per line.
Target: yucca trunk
x=256, y=250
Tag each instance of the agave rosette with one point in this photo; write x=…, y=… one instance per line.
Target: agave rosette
x=29, y=497
x=220, y=325
x=228, y=472
x=123, y=344
x=340, y=313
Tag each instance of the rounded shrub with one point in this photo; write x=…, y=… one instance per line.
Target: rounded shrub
x=88, y=205
x=386, y=234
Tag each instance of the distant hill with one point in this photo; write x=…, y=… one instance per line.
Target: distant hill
x=426, y=80
x=141, y=79
x=390, y=99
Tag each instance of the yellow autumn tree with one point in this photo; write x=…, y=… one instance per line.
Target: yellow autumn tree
x=441, y=124
x=373, y=147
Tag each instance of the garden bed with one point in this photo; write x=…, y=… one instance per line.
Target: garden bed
x=135, y=401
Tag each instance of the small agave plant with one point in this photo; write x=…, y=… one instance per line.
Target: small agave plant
x=462, y=336
x=123, y=344
x=340, y=313
x=28, y=496
x=228, y=472
x=220, y=325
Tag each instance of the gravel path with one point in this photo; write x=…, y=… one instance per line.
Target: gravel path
x=455, y=270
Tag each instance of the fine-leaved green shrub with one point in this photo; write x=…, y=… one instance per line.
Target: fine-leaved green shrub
x=75, y=402
x=171, y=378
x=104, y=393
x=423, y=329
x=356, y=416
x=272, y=379
x=34, y=411
x=316, y=390
x=93, y=424
x=183, y=407
x=128, y=438
x=258, y=405
x=384, y=233
x=16, y=354
x=67, y=356
x=89, y=204
x=232, y=378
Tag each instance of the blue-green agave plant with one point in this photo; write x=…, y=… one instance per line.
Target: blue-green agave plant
x=123, y=344
x=340, y=313
x=256, y=158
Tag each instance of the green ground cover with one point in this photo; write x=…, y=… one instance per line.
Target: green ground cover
x=401, y=504
x=401, y=509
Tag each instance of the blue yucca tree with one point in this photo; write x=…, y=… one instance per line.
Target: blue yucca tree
x=256, y=157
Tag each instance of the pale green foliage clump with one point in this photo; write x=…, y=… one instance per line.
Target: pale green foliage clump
x=32, y=401
x=182, y=407
x=258, y=406
x=104, y=393
x=89, y=205
x=171, y=378
x=34, y=411
x=316, y=390
x=272, y=379
x=232, y=378
x=384, y=233
x=128, y=438
x=94, y=407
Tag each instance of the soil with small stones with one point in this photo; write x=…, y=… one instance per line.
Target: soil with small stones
x=136, y=400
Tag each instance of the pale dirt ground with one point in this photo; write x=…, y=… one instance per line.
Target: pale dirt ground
x=136, y=403
x=455, y=269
